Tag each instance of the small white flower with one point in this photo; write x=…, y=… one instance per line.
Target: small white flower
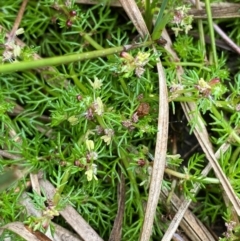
x=108, y=136
x=89, y=144
x=20, y=31
x=106, y=139
x=91, y=172
x=73, y=120
x=97, y=84
x=98, y=106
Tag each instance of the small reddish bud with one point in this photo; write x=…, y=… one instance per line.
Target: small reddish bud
x=79, y=97
x=214, y=81
x=89, y=114
x=69, y=23
x=140, y=97
x=77, y=163
x=143, y=109
x=135, y=117
x=126, y=56
x=73, y=13
x=88, y=157
x=141, y=162
x=161, y=41
x=63, y=163
x=45, y=223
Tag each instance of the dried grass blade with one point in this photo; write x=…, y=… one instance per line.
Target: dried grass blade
x=159, y=157
x=202, y=136
x=185, y=204
x=162, y=135
x=207, y=148
x=117, y=226
x=19, y=228
x=189, y=223
x=82, y=228
x=135, y=15
x=60, y=233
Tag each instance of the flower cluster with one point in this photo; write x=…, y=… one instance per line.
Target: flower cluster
x=136, y=64
x=182, y=20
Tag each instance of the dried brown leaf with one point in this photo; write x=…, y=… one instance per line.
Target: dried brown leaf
x=117, y=226
x=21, y=230
x=135, y=15
x=82, y=228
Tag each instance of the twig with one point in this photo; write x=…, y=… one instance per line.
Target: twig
x=18, y=19
x=9, y=155
x=74, y=219
x=221, y=10
x=184, y=206
x=162, y=134
x=234, y=46
x=117, y=226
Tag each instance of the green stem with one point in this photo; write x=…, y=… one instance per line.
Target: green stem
x=221, y=104
x=200, y=66
x=94, y=44
x=133, y=182
x=148, y=15
x=208, y=180
x=57, y=195
x=182, y=99
x=211, y=31
x=200, y=30
x=90, y=40
x=124, y=86
x=235, y=156
x=77, y=82
x=19, y=66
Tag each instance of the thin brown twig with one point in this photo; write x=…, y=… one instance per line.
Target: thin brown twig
x=185, y=204
x=9, y=155
x=17, y=22
x=226, y=38
x=117, y=226
x=135, y=15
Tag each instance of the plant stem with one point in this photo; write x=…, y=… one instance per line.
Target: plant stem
x=124, y=86
x=160, y=22
x=208, y=180
x=90, y=40
x=133, y=182
x=78, y=83
x=200, y=29
x=235, y=156
x=57, y=195
x=211, y=31
x=148, y=15
x=19, y=66
x=189, y=64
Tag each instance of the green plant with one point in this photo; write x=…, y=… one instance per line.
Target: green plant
x=94, y=114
